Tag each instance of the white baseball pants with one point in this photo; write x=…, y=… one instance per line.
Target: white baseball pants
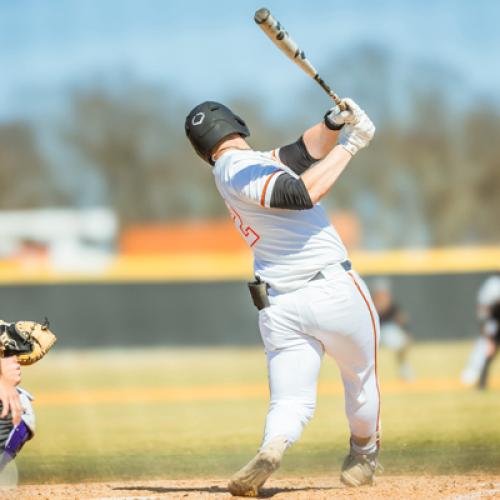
x=333, y=315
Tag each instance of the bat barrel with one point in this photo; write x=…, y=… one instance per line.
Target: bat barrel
x=280, y=37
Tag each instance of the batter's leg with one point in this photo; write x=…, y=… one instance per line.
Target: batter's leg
x=349, y=331
x=362, y=396
x=355, y=349
x=362, y=400
x=293, y=374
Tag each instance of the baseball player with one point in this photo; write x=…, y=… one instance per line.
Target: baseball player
x=17, y=418
x=393, y=326
x=487, y=345
x=309, y=298
x=21, y=343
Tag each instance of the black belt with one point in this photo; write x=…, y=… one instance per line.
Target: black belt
x=346, y=265
x=259, y=289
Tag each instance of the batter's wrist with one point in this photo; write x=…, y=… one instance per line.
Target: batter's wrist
x=330, y=124
x=352, y=150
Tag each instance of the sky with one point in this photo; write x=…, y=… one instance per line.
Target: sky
x=213, y=49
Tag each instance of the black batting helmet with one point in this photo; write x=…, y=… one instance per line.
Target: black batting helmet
x=210, y=122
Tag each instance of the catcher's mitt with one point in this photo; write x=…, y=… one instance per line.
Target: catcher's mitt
x=27, y=340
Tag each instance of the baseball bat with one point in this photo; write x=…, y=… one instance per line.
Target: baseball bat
x=280, y=37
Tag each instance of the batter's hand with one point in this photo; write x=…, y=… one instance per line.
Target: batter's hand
x=358, y=130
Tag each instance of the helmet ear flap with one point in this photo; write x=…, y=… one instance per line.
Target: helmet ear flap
x=208, y=124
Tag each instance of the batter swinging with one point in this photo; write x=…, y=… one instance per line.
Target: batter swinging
x=311, y=301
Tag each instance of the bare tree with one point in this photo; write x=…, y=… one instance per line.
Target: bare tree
x=136, y=139
x=25, y=181
x=430, y=177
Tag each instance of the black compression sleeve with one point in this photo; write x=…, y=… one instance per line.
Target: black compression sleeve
x=291, y=193
x=296, y=156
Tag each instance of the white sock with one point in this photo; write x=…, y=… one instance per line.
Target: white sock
x=367, y=449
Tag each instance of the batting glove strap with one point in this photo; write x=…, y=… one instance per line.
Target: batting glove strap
x=330, y=121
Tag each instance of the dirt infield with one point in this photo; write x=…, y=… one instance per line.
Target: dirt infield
x=397, y=487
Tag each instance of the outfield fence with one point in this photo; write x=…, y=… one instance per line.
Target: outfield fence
x=203, y=300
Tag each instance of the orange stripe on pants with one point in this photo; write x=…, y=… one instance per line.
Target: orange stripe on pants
x=374, y=327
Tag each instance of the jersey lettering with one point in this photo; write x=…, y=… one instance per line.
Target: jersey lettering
x=249, y=234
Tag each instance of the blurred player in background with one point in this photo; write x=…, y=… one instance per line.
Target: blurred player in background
x=486, y=346
x=394, y=333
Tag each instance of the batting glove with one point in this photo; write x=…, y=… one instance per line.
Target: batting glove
x=335, y=119
x=358, y=130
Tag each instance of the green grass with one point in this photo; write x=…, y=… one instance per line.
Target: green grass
x=455, y=431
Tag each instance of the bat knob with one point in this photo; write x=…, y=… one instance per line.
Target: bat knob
x=261, y=15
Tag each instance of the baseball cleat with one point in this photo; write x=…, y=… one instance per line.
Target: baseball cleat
x=358, y=470
x=247, y=481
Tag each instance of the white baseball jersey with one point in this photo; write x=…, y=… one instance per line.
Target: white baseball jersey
x=289, y=246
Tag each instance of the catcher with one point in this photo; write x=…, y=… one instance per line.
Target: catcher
x=21, y=343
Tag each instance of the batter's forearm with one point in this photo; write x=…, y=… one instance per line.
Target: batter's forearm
x=319, y=140
x=323, y=175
